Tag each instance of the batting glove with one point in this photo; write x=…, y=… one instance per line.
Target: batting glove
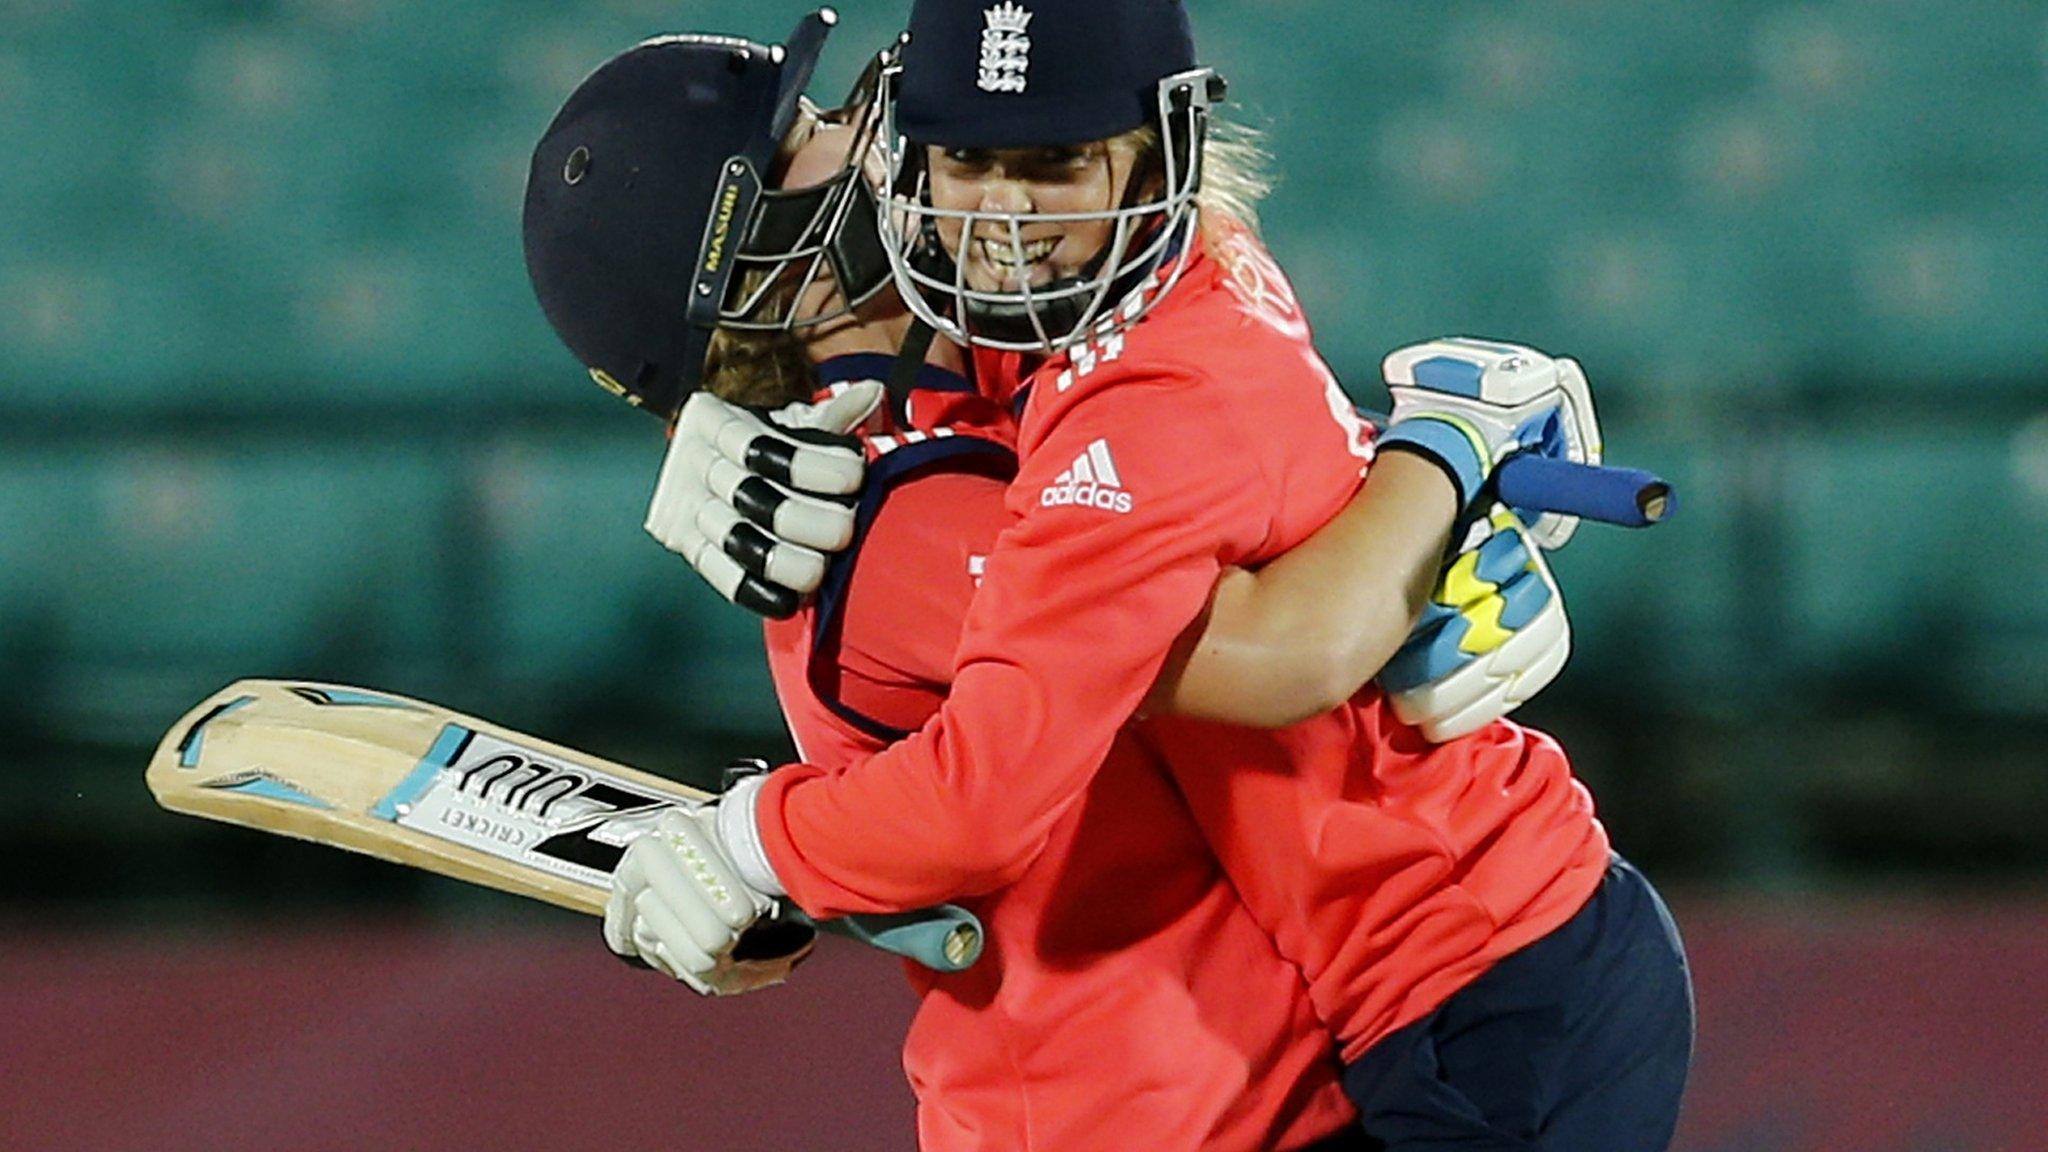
x=1467, y=405
x=679, y=905
x=1492, y=637
x=753, y=499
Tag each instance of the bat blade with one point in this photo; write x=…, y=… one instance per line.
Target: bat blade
x=423, y=786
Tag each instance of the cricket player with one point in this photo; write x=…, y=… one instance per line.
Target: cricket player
x=1101, y=1015
x=1495, y=974
x=1165, y=1020
x=1455, y=862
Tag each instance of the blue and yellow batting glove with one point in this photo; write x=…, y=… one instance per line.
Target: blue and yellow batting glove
x=1493, y=636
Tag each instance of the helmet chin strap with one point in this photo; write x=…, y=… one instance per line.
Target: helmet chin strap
x=917, y=344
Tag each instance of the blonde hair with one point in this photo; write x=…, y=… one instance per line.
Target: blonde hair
x=1237, y=176
x=1236, y=173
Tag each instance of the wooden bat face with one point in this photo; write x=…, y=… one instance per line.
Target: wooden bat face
x=425, y=786
x=412, y=783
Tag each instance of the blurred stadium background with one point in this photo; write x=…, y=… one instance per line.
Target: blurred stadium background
x=275, y=399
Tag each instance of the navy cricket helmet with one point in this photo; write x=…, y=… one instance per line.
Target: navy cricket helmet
x=1002, y=74
x=649, y=221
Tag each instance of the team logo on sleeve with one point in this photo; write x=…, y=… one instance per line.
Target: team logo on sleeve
x=1005, y=49
x=1091, y=482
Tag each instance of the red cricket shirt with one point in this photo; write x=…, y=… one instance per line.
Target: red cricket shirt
x=1208, y=434
x=1126, y=998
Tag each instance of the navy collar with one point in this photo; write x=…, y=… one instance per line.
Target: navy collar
x=855, y=366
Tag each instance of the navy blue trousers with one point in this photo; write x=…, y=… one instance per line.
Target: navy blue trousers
x=1579, y=1042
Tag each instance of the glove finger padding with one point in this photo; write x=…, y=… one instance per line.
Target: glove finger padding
x=748, y=561
x=678, y=904
x=777, y=561
x=684, y=865
x=649, y=941
x=679, y=490
x=762, y=957
x=754, y=593
x=1492, y=686
x=843, y=412
x=1493, y=636
x=666, y=943
x=618, y=926
x=812, y=521
x=804, y=446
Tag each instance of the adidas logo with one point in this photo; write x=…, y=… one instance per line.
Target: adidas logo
x=1091, y=482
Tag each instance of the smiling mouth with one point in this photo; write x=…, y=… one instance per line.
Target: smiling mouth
x=1004, y=257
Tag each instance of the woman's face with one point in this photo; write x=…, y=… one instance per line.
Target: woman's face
x=1079, y=178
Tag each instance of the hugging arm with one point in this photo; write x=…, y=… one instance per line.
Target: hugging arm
x=1303, y=634
x=1455, y=644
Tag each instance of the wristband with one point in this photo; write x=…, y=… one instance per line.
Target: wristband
x=741, y=836
x=1449, y=442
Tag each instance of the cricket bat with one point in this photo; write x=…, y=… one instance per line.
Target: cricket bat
x=421, y=785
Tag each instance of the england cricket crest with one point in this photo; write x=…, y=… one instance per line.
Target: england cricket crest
x=1005, y=48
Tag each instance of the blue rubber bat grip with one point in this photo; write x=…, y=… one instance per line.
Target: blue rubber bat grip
x=1629, y=497
x=947, y=938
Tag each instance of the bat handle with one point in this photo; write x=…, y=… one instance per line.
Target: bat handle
x=1629, y=497
x=947, y=938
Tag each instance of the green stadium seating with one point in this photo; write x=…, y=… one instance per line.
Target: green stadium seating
x=328, y=191
x=1950, y=299
x=32, y=494
x=1909, y=554
x=582, y=601
x=98, y=330
x=172, y=570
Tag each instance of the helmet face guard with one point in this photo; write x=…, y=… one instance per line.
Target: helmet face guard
x=1148, y=250
x=796, y=235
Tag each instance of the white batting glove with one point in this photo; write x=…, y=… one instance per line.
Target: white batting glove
x=1494, y=635
x=1468, y=404
x=679, y=905
x=745, y=495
